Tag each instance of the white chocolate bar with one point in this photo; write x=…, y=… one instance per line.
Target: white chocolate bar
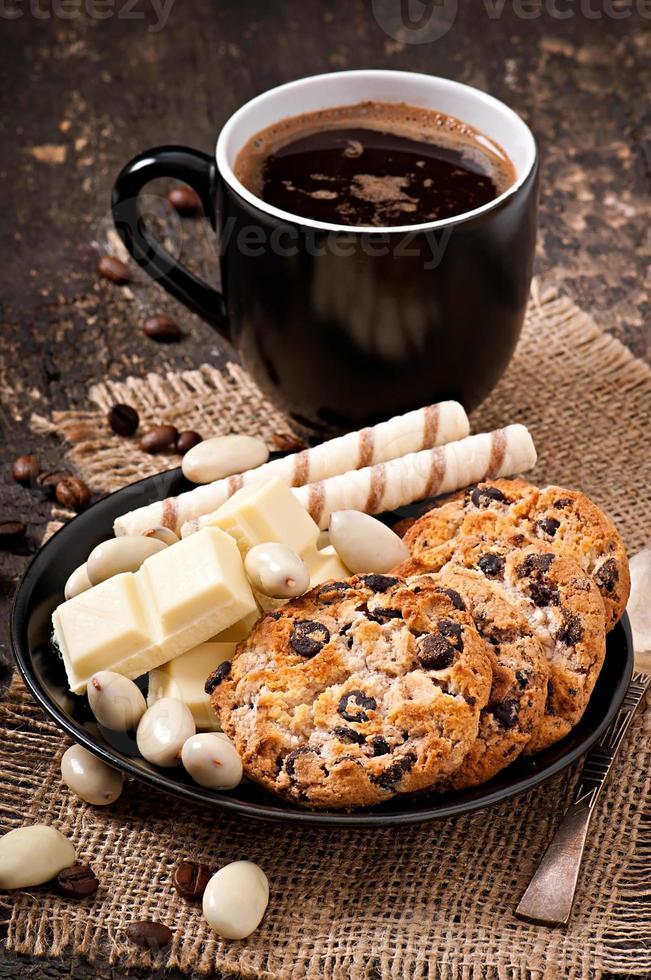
x=433, y=425
x=184, y=678
x=133, y=622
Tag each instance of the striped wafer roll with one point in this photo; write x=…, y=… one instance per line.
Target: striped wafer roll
x=426, y=427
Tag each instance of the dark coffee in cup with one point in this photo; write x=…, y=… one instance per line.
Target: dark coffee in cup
x=374, y=164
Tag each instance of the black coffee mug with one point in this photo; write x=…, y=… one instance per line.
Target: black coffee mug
x=345, y=326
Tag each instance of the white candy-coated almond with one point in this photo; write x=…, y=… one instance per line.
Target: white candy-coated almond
x=116, y=701
x=212, y=760
x=118, y=555
x=164, y=534
x=364, y=544
x=236, y=899
x=33, y=855
x=275, y=570
x=89, y=778
x=77, y=583
x=214, y=459
x=163, y=730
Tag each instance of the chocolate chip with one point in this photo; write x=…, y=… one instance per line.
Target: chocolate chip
x=549, y=703
x=379, y=583
x=286, y=442
x=522, y=677
x=572, y=630
x=71, y=492
x=491, y=564
x=349, y=735
x=544, y=594
x=25, y=469
x=110, y=267
x=217, y=676
x=11, y=531
x=187, y=440
x=562, y=503
x=309, y=637
x=380, y=614
x=549, y=525
x=506, y=712
x=394, y=773
x=159, y=438
x=452, y=631
x=607, y=575
x=185, y=201
x=163, y=329
x=79, y=881
x=149, y=935
x=482, y=495
x=454, y=597
x=363, y=702
x=534, y=564
x=379, y=745
x=123, y=419
x=290, y=760
x=434, y=651
x=190, y=880
x=331, y=591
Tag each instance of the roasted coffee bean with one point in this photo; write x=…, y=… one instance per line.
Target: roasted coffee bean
x=123, y=419
x=217, y=676
x=535, y=564
x=160, y=438
x=506, y=712
x=187, y=440
x=79, y=881
x=490, y=564
x=435, y=652
x=73, y=493
x=113, y=268
x=452, y=631
x=163, y=329
x=149, y=935
x=454, y=597
x=607, y=575
x=48, y=480
x=379, y=583
x=363, y=703
x=544, y=594
x=482, y=496
x=25, y=469
x=308, y=637
x=190, y=880
x=572, y=631
x=12, y=531
x=348, y=735
x=549, y=525
x=380, y=745
x=394, y=773
x=184, y=200
x=286, y=442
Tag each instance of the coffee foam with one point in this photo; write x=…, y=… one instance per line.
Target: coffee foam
x=399, y=118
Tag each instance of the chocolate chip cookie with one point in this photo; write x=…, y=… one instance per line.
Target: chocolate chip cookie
x=564, y=520
x=520, y=673
x=563, y=607
x=355, y=692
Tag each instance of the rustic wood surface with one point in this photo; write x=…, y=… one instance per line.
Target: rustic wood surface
x=80, y=95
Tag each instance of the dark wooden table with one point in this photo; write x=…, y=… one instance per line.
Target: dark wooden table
x=80, y=95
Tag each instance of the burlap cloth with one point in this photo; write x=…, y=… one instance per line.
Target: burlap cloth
x=429, y=901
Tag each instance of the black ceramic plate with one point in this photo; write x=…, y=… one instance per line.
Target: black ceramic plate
x=42, y=589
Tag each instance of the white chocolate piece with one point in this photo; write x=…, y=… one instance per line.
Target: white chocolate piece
x=223, y=456
x=116, y=702
x=364, y=543
x=212, y=761
x=275, y=570
x=259, y=514
x=184, y=678
x=162, y=732
x=639, y=608
x=386, y=486
x=119, y=555
x=239, y=630
x=236, y=899
x=33, y=855
x=433, y=425
x=77, y=582
x=89, y=778
x=132, y=623
x=324, y=565
x=161, y=534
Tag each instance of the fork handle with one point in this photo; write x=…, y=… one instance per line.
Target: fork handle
x=550, y=894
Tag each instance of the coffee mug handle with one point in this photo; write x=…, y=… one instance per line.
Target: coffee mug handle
x=199, y=171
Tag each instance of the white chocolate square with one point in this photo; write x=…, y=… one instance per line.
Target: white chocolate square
x=325, y=564
x=184, y=678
